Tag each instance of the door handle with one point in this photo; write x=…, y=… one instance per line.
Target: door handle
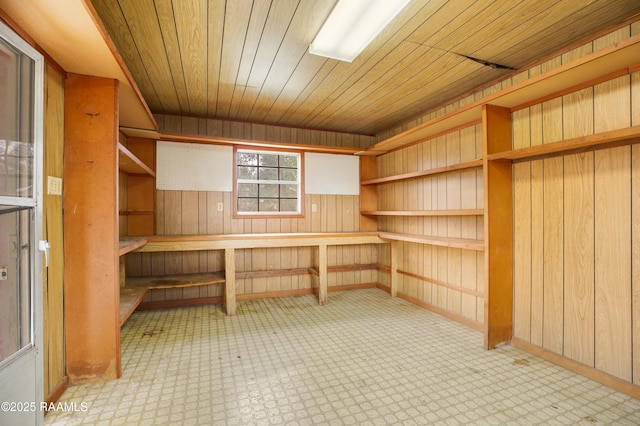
x=44, y=246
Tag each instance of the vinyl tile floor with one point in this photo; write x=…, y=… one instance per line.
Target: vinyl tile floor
x=362, y=359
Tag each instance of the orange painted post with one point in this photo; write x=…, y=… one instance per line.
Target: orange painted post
x=91, y=283
x=498, y=227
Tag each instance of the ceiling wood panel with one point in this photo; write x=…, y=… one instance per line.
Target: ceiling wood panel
x=152, y=53
x=248, y=60
x=300, y=33
x=236, y=19
x=251, y=48
x=128, y=48
x=344, y=75
x=171, y=54
x=191, y=28
x=215, y=31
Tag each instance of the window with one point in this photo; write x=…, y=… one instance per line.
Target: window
x=268, y=183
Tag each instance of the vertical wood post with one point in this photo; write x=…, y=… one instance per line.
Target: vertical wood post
x=92, y=291
x=395, y=276
x=230, y=281
x=498, y=227
x=368, y=193
x=322, y=274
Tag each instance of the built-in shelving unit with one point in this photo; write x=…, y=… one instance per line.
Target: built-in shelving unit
x=461, y=243
x=461, y=212
x=129, y=244
x=468, y=165
x=129, y=163
x=619, y=59
x=628, y=136
x=493, y=114
x=176, y=281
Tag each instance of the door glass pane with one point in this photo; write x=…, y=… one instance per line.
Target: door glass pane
x=16, y=122
x=15, y=275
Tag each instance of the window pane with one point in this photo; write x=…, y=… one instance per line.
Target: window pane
x=248, y=190
x=268, y=191
x=254, y=167
x=245, y=172
x=16, y=122
x=269, y=205
x=247, y=204
x=289, y=161
x=268, y=174
x=15, y=288
x=289, y=174
x=269, y=160
x=288, y=205
x=288, y=191
x=247, y=159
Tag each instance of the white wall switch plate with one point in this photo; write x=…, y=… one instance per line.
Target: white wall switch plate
x=54, y=185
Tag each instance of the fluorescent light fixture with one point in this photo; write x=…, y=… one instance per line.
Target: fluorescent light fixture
x=352, y=25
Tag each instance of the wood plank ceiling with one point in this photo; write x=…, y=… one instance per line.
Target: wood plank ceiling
x=248, y=60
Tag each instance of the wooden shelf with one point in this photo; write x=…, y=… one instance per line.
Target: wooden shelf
x=467, y=212
x=461, y=243
x=619, y=59
x=129, y=163
x=603, y=140
x=175, y=281
x=127, y=244
x=130, y=298
x=249, y=241
x=468, y=165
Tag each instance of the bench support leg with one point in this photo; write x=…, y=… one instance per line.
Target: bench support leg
x=395, y=276
x=230, y=281
x=322, y=274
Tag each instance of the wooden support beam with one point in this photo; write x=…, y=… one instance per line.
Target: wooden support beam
x=498, y=228
x=91, y=284
x=368, y=193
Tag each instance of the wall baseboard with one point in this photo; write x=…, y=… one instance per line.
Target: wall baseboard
x=584, y=370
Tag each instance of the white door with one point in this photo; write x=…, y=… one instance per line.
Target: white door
x=21, y=363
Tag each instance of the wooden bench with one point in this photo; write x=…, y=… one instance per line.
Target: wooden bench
x=134, y=289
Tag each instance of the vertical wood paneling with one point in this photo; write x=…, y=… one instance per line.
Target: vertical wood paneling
x=553, y=255
x=579, y=258
x=612, y=262
x=537, y=251
x=522, y=248
x=53, y=297
x=635, y=213
x=522, y=228
x=635, y=256
x=612, y=232
x=469, y=197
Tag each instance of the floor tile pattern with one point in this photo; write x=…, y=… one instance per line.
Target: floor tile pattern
x=363, y=359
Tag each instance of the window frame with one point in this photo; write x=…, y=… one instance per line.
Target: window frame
x=268, y=215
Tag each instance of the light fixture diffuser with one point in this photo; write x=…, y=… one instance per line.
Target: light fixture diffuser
x=352, y=25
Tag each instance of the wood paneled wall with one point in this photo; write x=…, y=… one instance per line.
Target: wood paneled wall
x=577, y=239
x=259, y=132
x=186, y=212
x=450, y=280
x=53, y=350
